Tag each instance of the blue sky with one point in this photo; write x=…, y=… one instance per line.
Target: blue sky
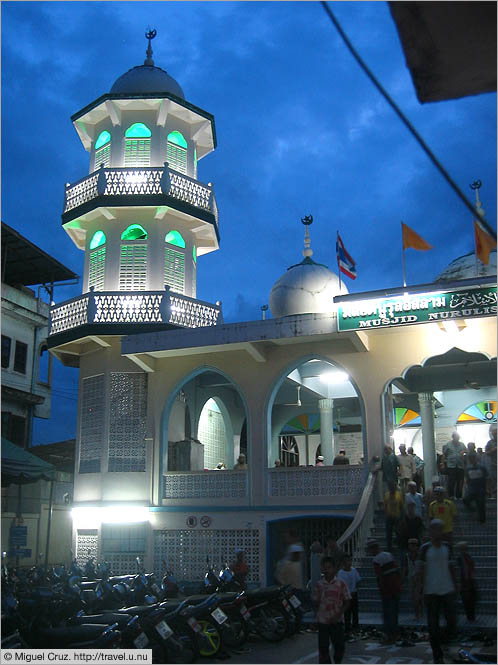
x=300, y=130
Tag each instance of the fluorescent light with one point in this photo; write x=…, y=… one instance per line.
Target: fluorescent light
x=92, y=517
x=334, y=377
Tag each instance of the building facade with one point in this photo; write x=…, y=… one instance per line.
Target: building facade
x=168, y=393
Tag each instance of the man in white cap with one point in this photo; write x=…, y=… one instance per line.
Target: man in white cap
x=319, y=461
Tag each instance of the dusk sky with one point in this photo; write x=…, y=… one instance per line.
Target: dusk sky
x=300, y=130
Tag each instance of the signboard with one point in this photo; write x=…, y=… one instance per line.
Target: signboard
x=18, y=536
x=206, y=521
x=417, y=308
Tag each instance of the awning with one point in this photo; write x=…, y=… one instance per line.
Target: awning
x=20, y=467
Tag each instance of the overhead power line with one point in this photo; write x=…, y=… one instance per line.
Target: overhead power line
x=408, y=124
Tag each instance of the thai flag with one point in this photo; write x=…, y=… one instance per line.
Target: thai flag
x=344, y=261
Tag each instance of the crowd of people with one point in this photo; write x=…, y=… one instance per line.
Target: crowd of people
x=428, y=563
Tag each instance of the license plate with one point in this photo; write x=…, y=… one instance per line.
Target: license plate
x=219, y=615
x=155, y=588
x=245, y=613
x=286, y=605
x=194, y=624
x=295, y=602
x=141, y=641
x=164, y=630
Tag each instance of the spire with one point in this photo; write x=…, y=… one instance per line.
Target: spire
x=476, y=186
x=307, y=251
x=150, y=34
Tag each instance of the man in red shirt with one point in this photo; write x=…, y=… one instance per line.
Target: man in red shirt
x=388, y=577
x=331, y=598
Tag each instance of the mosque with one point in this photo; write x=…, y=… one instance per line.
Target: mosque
x=168, y=392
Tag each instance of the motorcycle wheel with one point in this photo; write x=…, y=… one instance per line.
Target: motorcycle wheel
x=209, y=639
x=235, y=632
x=184, y=649
x=271, y=623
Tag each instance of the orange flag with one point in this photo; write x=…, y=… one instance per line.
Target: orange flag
x=484, y=243
x=412, y=239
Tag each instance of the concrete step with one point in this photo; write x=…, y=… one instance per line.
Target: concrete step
x=405, y=605
x=371, y=592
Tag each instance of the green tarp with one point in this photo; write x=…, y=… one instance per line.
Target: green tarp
x=20, y=467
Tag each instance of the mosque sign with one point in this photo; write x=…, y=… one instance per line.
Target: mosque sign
x=417, y=308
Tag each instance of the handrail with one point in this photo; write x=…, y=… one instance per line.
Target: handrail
x=354, y=536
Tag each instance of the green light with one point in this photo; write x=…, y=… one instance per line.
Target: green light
x=195, y=156
x=177, y=138
x=194, y=254
x=138, y=130
x=97, y=240
x=104, y=137
x=134, y=232
x=175, y=238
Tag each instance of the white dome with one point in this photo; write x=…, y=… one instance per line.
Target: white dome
x=306, y=288
x=465, y=268
x=145, y=78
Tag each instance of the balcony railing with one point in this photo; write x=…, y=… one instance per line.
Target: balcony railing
x=301, y=482
x=140, y=181
x=205, y=485
x=101, y=307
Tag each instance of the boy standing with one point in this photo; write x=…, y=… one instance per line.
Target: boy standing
x=351, y=576
x=444, y=510
x=331, y=598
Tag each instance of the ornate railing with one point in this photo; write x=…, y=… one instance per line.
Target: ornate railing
x=315, y=481
x=205, y=485
x=133, y=307
x=140, y=181
x=355, y=537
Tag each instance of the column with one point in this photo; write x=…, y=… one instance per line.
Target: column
x=426, y=403
x=326, y=407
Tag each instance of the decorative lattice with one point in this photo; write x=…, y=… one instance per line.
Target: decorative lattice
x=205, y=485
x=92, y=420
x=129, y=308
x=174, y=269
x=185, y=551
x=127, y=421
x=96, y=269
x=123, y=564
x=192, y=313
x=70, y=314
x=133, y=267
x=82, y=191
x=87, y=546
x=131, y=181
x=315, y=481
x=211, y=433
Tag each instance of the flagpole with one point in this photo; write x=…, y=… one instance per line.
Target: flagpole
x=403, y=255
x=338, y=266
x=476, y=186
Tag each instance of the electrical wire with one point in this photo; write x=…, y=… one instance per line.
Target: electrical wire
x=408, y=124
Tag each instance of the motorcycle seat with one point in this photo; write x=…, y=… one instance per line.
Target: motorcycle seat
x=140, y=610
x=84, y=586
x=268, y=592
x=71, y=634
x=107, y=618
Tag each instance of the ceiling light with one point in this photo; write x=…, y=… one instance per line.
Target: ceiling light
x=334, y=377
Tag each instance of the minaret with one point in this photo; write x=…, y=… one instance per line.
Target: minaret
x=141, y=216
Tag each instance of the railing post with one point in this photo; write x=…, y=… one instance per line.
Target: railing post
x=91, y=309
x=101, y=181
x=165, y=180
x=165, y=306
x=66, y=188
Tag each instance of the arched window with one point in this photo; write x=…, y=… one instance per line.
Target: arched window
x=211, y=432
x=289, y=452
x=102, y=150
x=176, y=152
x=137, y=145
x=174, y=261
x=96, y=265
x=133, y=259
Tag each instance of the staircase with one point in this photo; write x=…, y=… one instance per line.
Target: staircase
x=481, y=539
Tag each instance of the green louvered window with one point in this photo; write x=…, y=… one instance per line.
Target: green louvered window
x=137, y=145
x=133, y=259
x=103, y=149
x=174, y=262
x=96, y=267
x=176, y=152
